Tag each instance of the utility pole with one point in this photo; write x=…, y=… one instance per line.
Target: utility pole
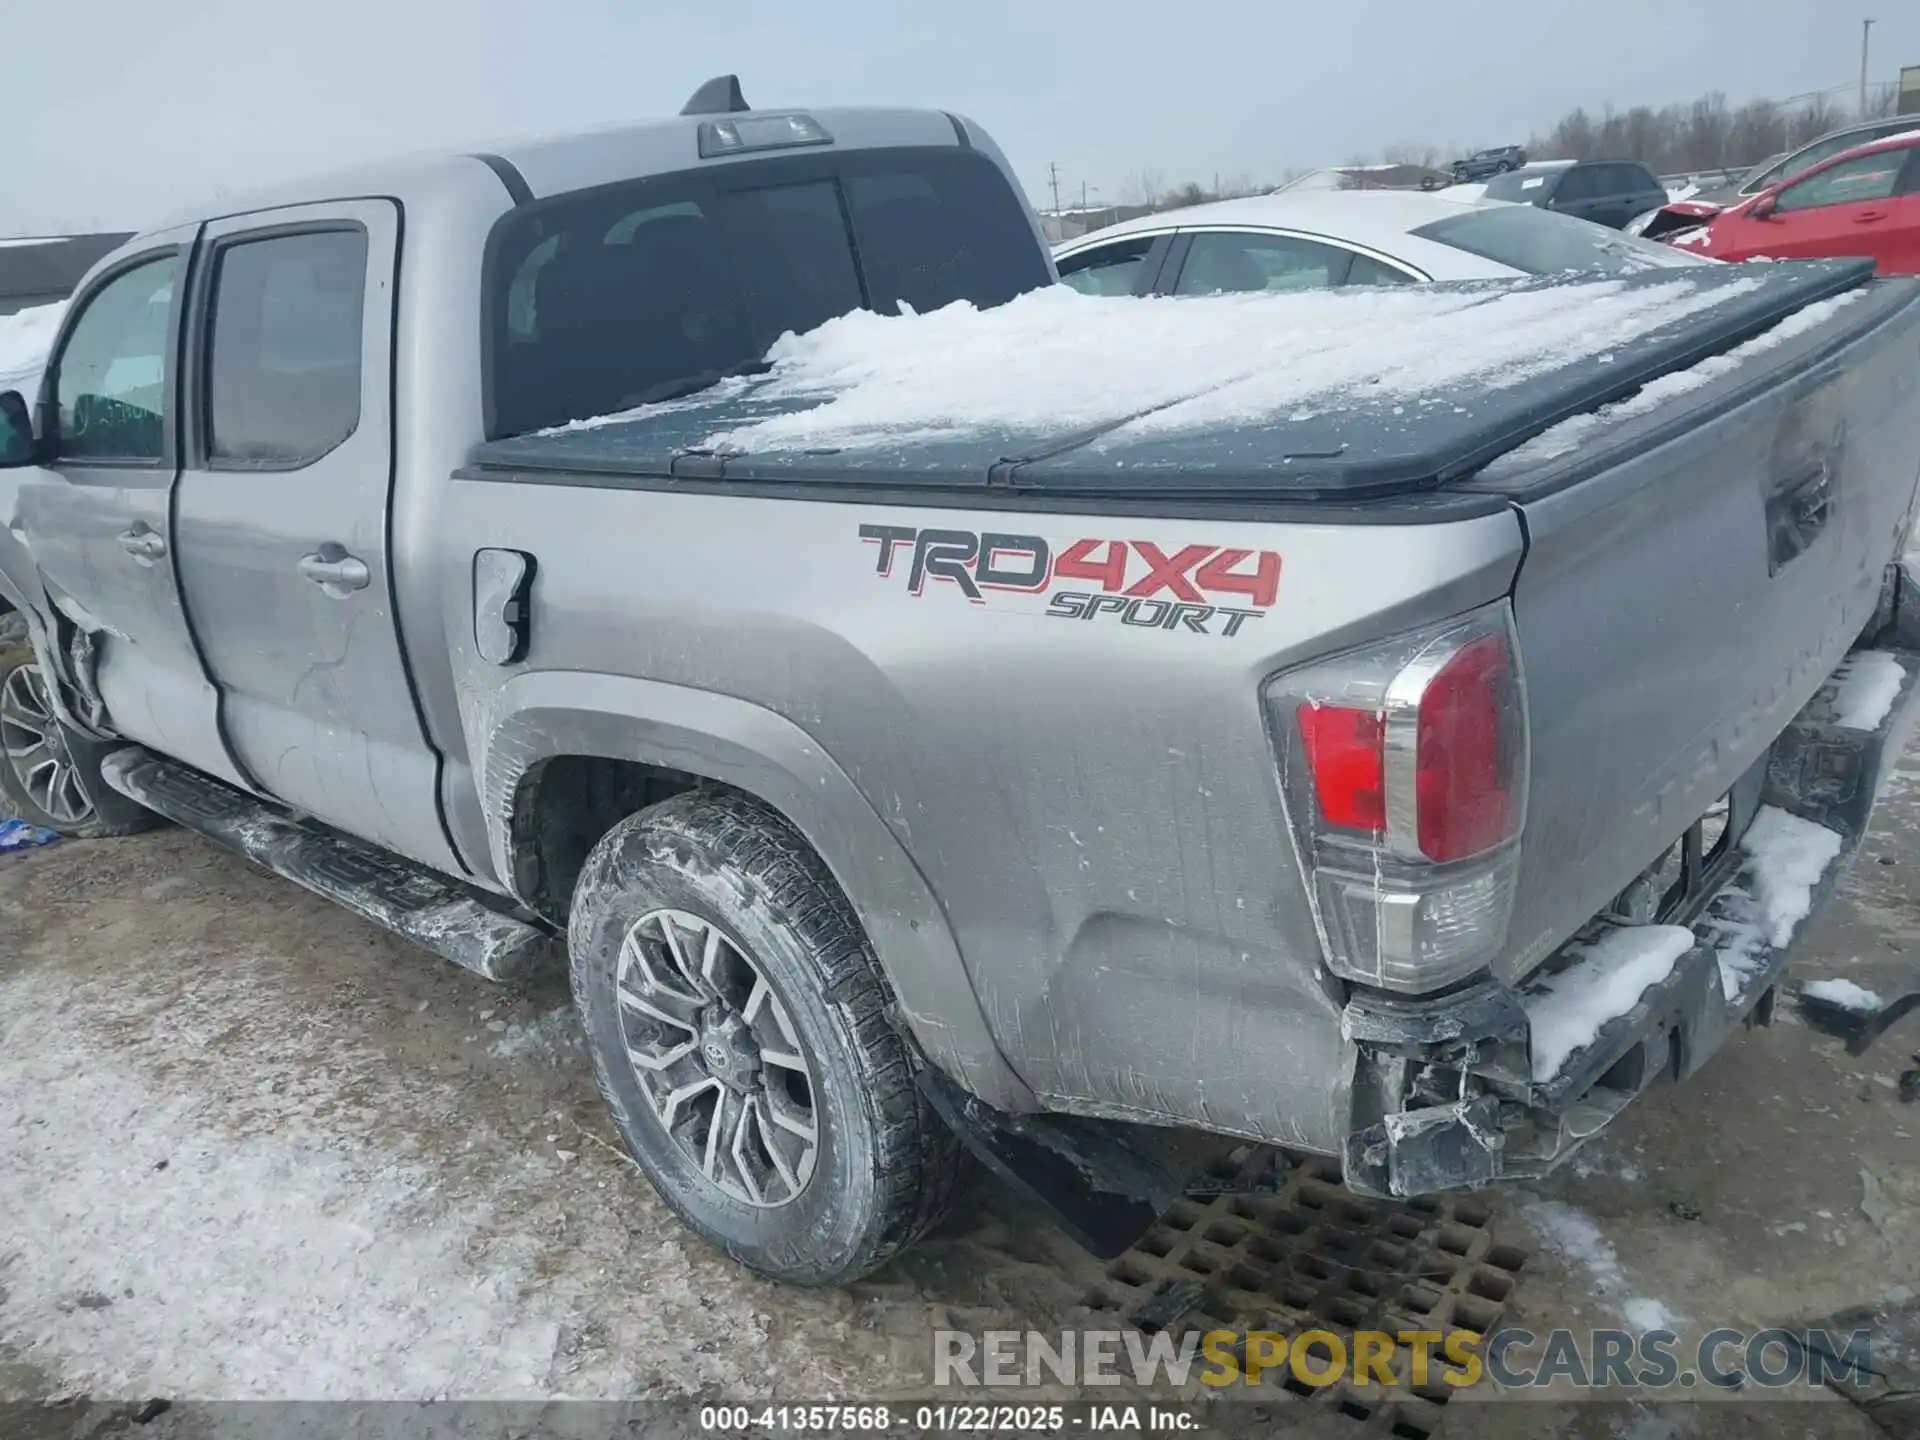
x=1053, y=179
x=1866, y=31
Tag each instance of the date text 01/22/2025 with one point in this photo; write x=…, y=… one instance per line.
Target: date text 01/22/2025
x=1188, y=589
x=952, y=1419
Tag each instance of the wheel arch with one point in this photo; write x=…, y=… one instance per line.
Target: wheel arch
x=672, y=737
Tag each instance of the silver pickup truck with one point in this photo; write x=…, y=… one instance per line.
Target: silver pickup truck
x=1396, y=726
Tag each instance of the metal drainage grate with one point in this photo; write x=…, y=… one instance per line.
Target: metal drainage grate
x=1307, y=1254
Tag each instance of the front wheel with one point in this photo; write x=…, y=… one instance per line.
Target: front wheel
x=50, y=776
x=739, y=1029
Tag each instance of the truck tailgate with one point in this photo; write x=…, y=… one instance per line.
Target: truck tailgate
x=1699, y=561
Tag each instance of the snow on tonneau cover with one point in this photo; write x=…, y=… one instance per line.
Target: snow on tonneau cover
x=1335, y=393
x=1722, y=465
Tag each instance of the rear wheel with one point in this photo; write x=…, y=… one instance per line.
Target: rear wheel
x=50, y=776
x=739, y=1030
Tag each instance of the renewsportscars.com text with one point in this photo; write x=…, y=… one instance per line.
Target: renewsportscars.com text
x=1512, y=1358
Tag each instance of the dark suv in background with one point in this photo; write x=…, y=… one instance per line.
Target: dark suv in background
x=1607, y=192
x=1482, y=163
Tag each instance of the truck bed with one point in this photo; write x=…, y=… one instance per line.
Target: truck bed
x=1318, y=396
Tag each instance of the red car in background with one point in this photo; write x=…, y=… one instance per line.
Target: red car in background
x=1862, y=202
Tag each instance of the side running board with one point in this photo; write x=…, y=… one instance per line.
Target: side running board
x=474, y=930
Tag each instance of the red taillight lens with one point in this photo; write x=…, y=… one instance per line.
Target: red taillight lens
x=1405, y=768
x=1349, y=776
x=1464, y=757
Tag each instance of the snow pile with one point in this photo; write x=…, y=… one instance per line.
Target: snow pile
x=1786, y=856
x=1575, y=1237
x=1844, y=993
x=26, y=339
x=1684, y=192
x=1869, y=684
x=1789, y=856
x=1568, y=435
x=1056, y=360
x=1605, y=982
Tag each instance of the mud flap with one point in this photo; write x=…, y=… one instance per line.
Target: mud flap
x=1103, y=1187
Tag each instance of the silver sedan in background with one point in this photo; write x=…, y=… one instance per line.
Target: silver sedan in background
x=1327, y=239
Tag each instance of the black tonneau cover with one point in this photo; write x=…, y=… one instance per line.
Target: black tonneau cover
x=1360, y=447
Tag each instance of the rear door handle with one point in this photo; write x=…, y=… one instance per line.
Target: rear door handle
x=335, y=571
x=143, y=544
x=1867, y=217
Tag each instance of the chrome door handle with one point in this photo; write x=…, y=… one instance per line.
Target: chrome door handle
x=144, y=545
x=335, y=571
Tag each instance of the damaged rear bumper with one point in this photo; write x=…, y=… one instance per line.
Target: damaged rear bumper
x=1470, y=1090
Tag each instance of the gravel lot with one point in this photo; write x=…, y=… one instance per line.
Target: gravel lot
x=251, y=1147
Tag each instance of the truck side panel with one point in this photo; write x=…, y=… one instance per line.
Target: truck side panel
x=1091, y=794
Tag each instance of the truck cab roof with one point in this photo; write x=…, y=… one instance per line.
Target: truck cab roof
x=535, y=168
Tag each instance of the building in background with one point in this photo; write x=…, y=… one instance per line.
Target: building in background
x=1909, y=103
x=38, y=270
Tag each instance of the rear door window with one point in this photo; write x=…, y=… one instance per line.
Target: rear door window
x=1583, y=182
x=1627, y=180
x=1224, y=262
x=284, y=347
x=1368, y=271
x=630, y=294
x=939, y=232
x=1864, y=177
x=1107, y=269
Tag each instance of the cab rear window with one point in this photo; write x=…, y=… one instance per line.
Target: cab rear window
x=645, y=291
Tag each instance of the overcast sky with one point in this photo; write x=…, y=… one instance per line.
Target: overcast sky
x=121, y=111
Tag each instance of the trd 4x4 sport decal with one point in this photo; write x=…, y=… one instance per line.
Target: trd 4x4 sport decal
x=1198, y=589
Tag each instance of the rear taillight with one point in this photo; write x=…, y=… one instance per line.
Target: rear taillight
x=1405, y=769
x=1463, y=756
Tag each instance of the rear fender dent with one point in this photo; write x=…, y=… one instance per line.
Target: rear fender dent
x=541, y=715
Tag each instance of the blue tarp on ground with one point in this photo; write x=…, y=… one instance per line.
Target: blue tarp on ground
x=18, y=835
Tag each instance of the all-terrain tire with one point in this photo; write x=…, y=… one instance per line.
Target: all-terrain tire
x=886, y=1165
x=109, y=812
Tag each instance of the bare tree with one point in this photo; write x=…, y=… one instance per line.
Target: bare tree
x=1424, y=155
x=1143, y=187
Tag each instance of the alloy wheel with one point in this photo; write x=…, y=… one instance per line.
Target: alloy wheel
x=36, y=750
x=716, y=1054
